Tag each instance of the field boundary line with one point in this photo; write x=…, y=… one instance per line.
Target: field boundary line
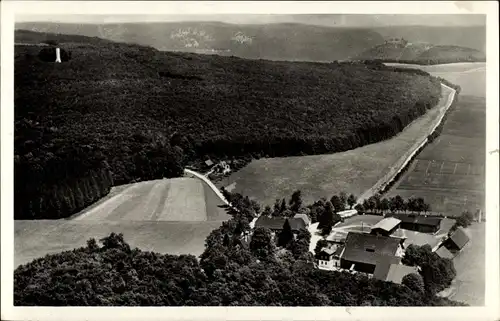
x=209, y=183
x=393, y=172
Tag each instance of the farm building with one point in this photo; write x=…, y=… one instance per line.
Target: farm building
x=444, y=253
x=209, y=163
x=347, y=213
x=395, y=273
x=305, y=218
x=456, y=241
x=363, y=252
x=386, y=227
x=419, y=223
x=275, y=224
x=329, y=257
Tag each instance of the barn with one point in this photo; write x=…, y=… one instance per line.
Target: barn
x=419, y=223
x=386, y=227
x=363, y=252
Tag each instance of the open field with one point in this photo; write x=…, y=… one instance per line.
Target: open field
x=450, y=172
x=178, y=199
x=354, y=171
x=33, y=239
x=168, y=216
x=469, y=284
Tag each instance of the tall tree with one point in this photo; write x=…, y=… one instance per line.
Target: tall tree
x=296, y=201
x=351, y=200
x=286, y=235
x=337, y=203
x=343, y=201
x=262, y=244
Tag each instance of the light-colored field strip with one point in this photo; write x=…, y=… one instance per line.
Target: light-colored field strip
x=427, y=169
x=185, y=201
x=468, y=170
x=145, y=209
x=455, y=169
x=103, y=210
x=441, y=168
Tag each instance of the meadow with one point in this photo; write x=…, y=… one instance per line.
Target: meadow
x=167, y=216
x=449, y=173
x=355, y=171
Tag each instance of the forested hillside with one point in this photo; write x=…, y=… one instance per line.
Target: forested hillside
x=117, y=113
x=282, y=41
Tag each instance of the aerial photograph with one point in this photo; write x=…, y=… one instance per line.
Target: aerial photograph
x=249, y=160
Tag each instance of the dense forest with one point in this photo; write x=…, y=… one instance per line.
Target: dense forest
x=232, y=271
x=134, y=113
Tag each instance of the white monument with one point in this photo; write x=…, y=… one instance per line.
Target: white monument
x=58, y=55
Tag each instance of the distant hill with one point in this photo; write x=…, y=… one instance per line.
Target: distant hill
x=401, y=50
x=282, y=41
x=464, y=36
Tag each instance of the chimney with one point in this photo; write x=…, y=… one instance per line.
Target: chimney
x=58, y=55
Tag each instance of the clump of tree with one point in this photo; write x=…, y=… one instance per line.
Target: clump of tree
x=437, y=272
x=378, y=205
x=464, y=220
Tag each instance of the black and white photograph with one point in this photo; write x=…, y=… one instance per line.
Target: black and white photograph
x=248, y=158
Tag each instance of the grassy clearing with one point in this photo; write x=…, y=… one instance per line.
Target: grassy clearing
x=34, y=239
x=450, y=172
x=354, y=171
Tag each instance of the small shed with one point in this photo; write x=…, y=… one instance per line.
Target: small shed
x=457, y=240
x=209, y=163
x=386, y=227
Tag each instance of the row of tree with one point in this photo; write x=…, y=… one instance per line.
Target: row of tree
x=377, y=204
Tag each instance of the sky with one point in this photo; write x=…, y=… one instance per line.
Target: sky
x=340, y=20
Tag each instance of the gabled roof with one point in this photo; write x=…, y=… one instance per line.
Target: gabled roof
x=303, y=217
x=276, y=223
x=460, y=238
x=444, y=253
x=370, y=249
x=387, y=224
x=209, y=162
x=418, y=219
x=386, y=271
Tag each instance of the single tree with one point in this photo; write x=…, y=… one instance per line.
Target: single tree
x=286, y=235
x=343, y=201
x=319, y=246
x=351, y=200
x=337, y=203
x=262, y=244
x=414, y=281
x=296, y=201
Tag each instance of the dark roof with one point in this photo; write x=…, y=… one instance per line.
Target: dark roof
x=386, y=271
x=418, y=219
x=459, y=238
x=444, y=253
x=276, y=223
x=384, y=248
